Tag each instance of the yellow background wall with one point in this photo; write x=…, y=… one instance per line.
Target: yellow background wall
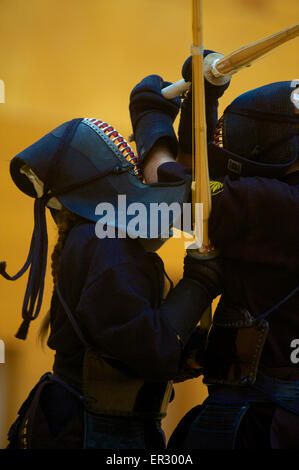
x=62, y=59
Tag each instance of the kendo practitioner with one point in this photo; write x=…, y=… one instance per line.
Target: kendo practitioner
x=118, y=341
x=253, y=386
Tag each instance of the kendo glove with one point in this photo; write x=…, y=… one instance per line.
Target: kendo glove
x=152, y=115
x=206, y=270
x=202, y=282
x=212, y=94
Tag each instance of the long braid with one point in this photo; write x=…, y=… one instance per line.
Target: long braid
x=65, y=221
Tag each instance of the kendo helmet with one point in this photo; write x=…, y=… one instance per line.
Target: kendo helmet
x=85, y=162
x=78, y=165
x=257, y=134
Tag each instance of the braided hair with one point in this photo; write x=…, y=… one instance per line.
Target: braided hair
x=65, y=221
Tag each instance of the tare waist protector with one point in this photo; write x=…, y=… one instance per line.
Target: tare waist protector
x=234, y=348
x=115, y=391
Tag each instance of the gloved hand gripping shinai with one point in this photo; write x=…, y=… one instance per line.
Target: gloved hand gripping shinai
x=202, y=282
x=152, y=115
x=212, y=95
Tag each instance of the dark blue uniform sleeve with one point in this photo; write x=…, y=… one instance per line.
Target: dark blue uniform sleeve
x=250, y=218
x=116, y=315
x=114, y=289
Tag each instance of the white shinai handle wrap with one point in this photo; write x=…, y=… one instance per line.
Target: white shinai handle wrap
x=176, y=89
x=218, y=69
x=210, y=72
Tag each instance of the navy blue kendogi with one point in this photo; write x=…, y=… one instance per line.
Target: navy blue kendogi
x=118, y=342
x=252, y=382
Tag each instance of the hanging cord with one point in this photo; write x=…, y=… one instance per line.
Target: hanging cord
x=37, y=257
x=275, y=307
x=35, y=284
